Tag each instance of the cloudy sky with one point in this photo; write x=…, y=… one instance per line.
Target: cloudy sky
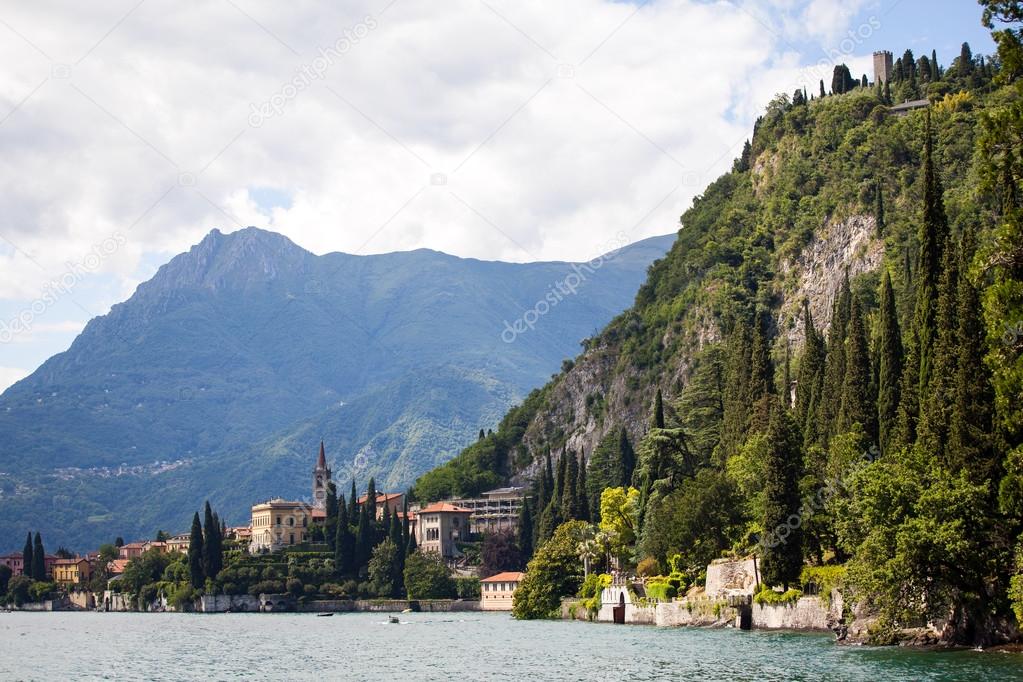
x=501, y=129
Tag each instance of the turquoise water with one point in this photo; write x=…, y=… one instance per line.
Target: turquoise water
x=467, y=647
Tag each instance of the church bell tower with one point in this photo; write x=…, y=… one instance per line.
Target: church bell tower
x=321, y=477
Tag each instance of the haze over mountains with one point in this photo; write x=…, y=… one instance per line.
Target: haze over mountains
x=220, y=375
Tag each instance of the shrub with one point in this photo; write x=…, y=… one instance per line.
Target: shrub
x=19, y=590
x=661, y=591
x=768, y=597
x=648, y=568
x=310, y=590
x=468, y=588
x=294, y=586
x=267, y=587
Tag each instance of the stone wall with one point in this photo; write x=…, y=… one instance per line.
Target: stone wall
x=228, y=603
x=726, y=577
x=695, y=613
x=809, y=613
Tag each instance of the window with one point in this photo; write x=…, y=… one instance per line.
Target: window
x=278, y=520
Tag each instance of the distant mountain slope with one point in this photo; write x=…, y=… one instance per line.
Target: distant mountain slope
x=221, y=374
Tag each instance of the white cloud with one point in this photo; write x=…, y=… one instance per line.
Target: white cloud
x=513, y=130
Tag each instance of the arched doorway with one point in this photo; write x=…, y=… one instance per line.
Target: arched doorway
x=619, y=609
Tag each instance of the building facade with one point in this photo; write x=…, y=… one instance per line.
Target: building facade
x=497, y=592
x=395, y=502
x=495, y=510
x=440, y=527
x=70, y=572
x=16, y=562
x=278, y=523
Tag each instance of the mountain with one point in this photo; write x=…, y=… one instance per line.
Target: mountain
x=219, y=377
x=822, y=371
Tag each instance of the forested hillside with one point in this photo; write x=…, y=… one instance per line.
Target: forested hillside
x=826, y=368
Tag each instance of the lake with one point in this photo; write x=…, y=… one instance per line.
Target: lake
x=474, y=646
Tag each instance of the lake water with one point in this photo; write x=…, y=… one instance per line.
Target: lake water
x=469, y=647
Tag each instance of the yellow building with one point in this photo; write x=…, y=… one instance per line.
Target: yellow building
x=278, y=523
x=498, y=591
x=69, y=572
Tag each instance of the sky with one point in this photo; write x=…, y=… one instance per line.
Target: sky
x=517, y=130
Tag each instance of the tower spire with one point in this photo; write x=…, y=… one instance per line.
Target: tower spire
x=321, y=462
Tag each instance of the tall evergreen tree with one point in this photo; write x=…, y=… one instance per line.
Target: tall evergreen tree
x=890, y=370
x=970, y=434
x=735, y=421
x=823, y=91
x=197, y=575
x=965, y=65
x=38, y=559
x=857, y=405
x=353, y=504
x=344, y=544
x=570, y=497
x=627, y=456
x=834, y=369
x=525, y=530
x=582, y=502
x=938, y=398
x=26, y=556
x=761, y=381
x=365, y=538
x=935, y=68
x=209, y=546
x=783, y=544
x=659, y=410
x=330, y=522
x=811, y=367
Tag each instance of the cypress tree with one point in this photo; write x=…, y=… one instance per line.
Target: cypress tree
x=570, y=496
x=936, y=407
x=371, y=500
x=965, y=60
x=26, y=557
x=628, y=458
x=405, y=524
x=353, y=504
x=786, y=380
x=365, y=539
x=582, y=499
x=823, y=92
x=197, y=575
x=890, y=371
x=209, y=546
x=38, y=559
x=835, y=364
x=330, y=523
x=888, y=93
x=525, y=530
x=970, y=433
x=344, y=544
x=560, y=483
x=811, y=367
x=857, y=407
x=412, y=547
x=761, y=381
x=659, y=410
x=932, y=237
x=935, y=69
x=735, y=420
x=783, y=545
x=483, y=435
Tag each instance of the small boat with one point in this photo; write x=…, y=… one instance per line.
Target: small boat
x=394, y=619
x=324, y=615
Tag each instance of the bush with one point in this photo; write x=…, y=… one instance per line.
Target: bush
x=661, y=591
x=648, y=568
x=19, y=590
x=294, y=586
x=468, y=588
x=183, y=597
x=310, y=590
x=768, y=596
x=267, y=587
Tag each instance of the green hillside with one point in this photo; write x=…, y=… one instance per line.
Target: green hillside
x=834, y=337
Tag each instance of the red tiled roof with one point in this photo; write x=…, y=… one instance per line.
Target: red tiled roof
x=118, y=565
x=509, y=577
x=444, y=507
x=382, y=497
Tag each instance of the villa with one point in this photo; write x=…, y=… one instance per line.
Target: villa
x=497, y=592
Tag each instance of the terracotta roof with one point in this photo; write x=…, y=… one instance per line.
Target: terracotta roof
x=70, y=562
x=140, y=545
x=444, y=507
x=382, y=497
x=317, y=514
x=117, y=565
x=509, y=577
